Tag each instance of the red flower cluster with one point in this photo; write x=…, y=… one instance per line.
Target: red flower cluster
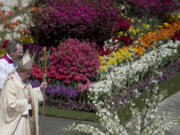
x=176, y=37
x=124, y=40
x=36, y=72
x=73, y=61
x=120, y=42
x=123, y=24
x=103, y=52
x=5, y=43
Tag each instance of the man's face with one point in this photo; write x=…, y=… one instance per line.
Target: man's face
x=19, y=52
x=25, y=75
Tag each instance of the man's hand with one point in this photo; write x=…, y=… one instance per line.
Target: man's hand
x=43, y=85
x=29, y=99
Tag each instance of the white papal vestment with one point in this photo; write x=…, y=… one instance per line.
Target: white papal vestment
x=14, y=118
x=5, y=68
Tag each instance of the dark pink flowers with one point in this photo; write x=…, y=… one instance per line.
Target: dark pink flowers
x=74, y=61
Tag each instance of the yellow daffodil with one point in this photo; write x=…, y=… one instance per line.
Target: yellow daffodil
x=112, y=61
x=27, y=39
x=134, y=32
x=132, y=20
x=159, y=26
x=131, y=29
x=120, y=33
x=138, y=30
x=178, y=17
x=165, y=24
x=147, y=26
x=173, y=16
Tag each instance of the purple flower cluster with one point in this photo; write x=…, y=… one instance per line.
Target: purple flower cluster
x=35, y=83
x=58, y=90
x=70, y=105
x=35, y=49
x=38, y=50
x=168, y=72
x=80, y=19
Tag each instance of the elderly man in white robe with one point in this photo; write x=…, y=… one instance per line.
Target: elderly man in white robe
x=8, y=62
x=19, y=102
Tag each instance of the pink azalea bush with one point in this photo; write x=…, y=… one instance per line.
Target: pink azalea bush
x=82, y=19
x=74, y=61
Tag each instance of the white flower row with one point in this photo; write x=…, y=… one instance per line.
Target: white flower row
x=135, y=70
x=145, y=122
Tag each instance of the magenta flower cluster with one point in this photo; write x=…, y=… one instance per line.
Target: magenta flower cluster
x=74, y=61
x=154, y=7
x=82, y=19
x=123, y=24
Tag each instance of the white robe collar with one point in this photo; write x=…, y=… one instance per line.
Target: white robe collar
x=9, y=56
x=19, y=80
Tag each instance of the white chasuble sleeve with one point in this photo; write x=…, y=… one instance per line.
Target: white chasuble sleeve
x=15, y=105
x=39, y=94
x=3, y=75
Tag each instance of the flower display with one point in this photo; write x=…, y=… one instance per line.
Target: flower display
x=176, y=36
x=5, y=44
x=74, y=61
x=141, y=123
x=116, y=58
x=60, y=90
x=37, y=72
x=79, y=19
x=122, y=74
x=2, y=52
x=165, y=32
x=92, y=47
x=11, y=24
x=151, y=8
x=123, y=24
x=57, y=91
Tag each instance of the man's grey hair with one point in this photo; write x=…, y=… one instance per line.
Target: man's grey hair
x=12, y=46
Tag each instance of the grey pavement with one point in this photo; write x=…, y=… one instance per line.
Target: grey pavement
x=55, y=126
x=172, y=105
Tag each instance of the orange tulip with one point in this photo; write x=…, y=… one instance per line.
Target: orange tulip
x=165, y=32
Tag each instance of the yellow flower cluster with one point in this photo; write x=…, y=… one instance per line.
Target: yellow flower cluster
x=175, y=17
x=124, y=54
x=26, y=39
x=2, y=52
x=139, y=31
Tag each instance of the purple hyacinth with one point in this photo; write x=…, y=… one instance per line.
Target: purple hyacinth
x=35, y=83
x=58, y=90
x=67, y=92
